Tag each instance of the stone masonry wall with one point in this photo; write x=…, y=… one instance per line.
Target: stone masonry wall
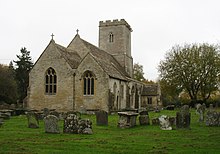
x=120, y=48
x=63, y=100
x=100, y=98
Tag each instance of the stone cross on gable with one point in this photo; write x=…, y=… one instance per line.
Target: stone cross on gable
x=52, y=35
x=77, y=31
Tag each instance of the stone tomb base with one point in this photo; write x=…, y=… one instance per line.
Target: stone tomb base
x=127, y=119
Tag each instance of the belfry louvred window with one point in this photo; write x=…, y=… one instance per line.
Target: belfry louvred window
x=88, y=83
x=50, y=82
x=111, y=37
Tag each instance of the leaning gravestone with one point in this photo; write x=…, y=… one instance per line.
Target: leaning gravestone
x=183, y=118
x=164, y=123
x=212, y=118
x=32, y=120
x=144, y=118
x=51, y=124
x=101, y=118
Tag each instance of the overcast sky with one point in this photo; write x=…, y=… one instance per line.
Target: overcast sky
x=157, y=25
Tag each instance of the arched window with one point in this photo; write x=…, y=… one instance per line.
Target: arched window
x=88, y=83
x=111, y=37
x=50, y=82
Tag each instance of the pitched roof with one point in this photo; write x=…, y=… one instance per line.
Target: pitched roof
x=72, y=57
x=150, y=90
x=108, y=63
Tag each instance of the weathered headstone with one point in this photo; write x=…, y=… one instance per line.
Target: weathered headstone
x=213, y=118
x=71, y=124
x=164, y=123
x=32, y=120
x=144, y=118
x=183, y=118
x=51, y=124
x=85, y=126
x=101, y=118
x=200, y=109
x=74, y=125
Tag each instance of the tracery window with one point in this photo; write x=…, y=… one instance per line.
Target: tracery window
x=50, y=82
x=88, y=83
x=111, y=37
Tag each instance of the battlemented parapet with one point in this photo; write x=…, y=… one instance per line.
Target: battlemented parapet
x=114, y=22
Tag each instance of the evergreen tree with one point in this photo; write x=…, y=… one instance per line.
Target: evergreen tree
x=8, y=86
x=23, y=66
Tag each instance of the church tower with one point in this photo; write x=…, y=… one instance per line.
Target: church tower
x=115, y=38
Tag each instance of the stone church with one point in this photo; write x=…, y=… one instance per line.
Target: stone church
x=83, y=76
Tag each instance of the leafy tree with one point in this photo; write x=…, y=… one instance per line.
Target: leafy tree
x=169, y=93
x=193, y=68
x=8, y=86
x=23, y=67
x=138, y=72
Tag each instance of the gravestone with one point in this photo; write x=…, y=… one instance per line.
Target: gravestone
x=32, y=120
x=164, y=123
x=144, y=118
x=213, y=118
x=85, y=126
x=51, y=124
x=101, y=118
x=183, y=118
x=74, y=125
x=200, y=109
x=71, y=124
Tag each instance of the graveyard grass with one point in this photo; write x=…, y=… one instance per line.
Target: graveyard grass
x=15, y=137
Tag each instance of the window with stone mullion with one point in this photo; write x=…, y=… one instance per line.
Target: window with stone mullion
x=88, y=83
x=51, y=82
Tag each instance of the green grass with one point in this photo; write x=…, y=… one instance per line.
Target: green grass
x=15, y=137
